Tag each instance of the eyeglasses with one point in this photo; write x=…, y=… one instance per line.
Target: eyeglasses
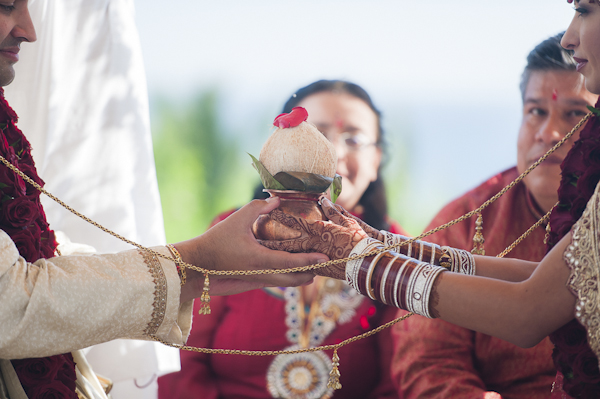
x=352, y=141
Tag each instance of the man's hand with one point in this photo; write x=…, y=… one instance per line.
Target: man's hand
x=230, y=245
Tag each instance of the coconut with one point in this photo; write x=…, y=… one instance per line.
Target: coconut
x=299, y=149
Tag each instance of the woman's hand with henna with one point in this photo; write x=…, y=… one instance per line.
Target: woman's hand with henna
x=331, y=239
x=339, y=215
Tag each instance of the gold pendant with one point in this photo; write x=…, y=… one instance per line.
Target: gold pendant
x=478, y=239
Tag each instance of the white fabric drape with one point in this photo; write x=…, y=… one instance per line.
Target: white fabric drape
x=81, y=96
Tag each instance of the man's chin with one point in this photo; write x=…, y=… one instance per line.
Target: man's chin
x=7, y=75
x=543, y=188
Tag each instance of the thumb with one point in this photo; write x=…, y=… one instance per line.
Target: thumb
x=315, y=257
x=326, y=206
x=264, y=206
x=331, y=212
x=251, y=211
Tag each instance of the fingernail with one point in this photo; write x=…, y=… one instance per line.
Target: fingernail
x=270, y=199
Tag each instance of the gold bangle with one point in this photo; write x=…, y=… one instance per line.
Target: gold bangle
x=178, y=263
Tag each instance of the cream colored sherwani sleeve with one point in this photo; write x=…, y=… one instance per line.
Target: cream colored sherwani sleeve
x=65, y=303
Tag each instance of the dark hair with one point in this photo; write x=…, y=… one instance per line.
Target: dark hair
x=549, y=55
x=373, y=200
x=335, y=86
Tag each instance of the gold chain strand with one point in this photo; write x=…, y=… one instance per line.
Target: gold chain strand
x=333, y=375
x=309, y=267
x=349, y=340
x=284, y=352
x=526, y=234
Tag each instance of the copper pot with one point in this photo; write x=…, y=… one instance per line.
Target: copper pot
x=296, y=203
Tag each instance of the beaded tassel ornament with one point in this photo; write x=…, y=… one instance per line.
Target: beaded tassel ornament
x=478, y=239
x=205, y=297
x=548, y=231
x=334, y=375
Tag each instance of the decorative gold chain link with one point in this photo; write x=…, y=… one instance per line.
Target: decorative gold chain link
x=315, y=266
x=310, y=267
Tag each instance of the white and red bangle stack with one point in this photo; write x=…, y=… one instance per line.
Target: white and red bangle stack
x=455, y=260
x=399, y=280
x=392, y=278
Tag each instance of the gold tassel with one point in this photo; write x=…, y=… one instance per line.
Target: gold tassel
x=548, y=231
x=205, y=298
x=478, y=239
x=334, y=376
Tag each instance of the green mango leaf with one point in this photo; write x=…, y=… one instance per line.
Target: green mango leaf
x=268, y=181
x=595, y=111
x=336, y=187
x=302, y=181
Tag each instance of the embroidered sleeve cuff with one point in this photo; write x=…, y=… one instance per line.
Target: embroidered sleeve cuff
x=169, y=320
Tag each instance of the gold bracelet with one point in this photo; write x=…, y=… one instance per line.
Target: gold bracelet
x=178, y=263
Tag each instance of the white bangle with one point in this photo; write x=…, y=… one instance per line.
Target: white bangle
x=370, y=291
x=352, y=266
x=463, y=261
x=420, y=285
x=392, y=239
x=385, y=277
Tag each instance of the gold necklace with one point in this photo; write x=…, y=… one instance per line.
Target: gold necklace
x=305, y=375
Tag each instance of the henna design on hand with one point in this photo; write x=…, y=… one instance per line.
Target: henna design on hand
x=333, y=240
x=339, y=215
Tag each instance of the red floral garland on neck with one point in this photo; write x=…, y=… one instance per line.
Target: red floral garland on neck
x=23, y=219
x=572, y=354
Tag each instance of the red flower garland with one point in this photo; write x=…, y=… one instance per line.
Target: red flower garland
x=572, y=354
x=23, y=219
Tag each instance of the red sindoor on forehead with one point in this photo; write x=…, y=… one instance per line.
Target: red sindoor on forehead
x=554, y=94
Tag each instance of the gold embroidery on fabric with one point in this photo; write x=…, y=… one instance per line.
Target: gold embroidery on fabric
x=582, y=256
x=160, y=292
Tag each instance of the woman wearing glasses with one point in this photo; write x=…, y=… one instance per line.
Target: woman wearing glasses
x=322, y=313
